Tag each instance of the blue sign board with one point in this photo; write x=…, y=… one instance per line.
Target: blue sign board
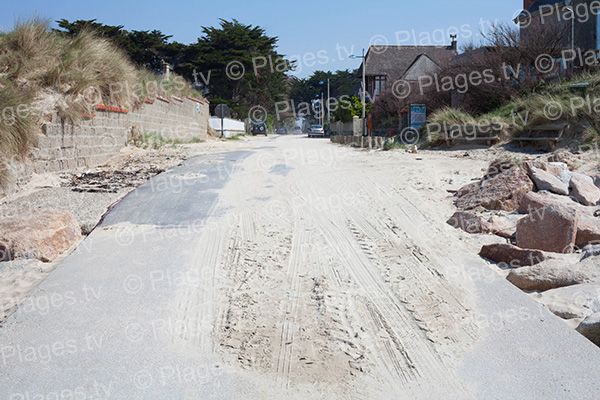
x=418, y=115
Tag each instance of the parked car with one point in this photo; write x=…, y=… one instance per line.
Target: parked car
x=282, y=131
x=297, y=130
x=258, y=128
x=316, y=130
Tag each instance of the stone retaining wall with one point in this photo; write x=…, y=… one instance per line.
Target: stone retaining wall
x=64, y=147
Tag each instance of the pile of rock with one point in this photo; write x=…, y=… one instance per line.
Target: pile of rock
x=544, y=211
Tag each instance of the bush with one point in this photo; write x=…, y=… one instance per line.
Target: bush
x=507, y=57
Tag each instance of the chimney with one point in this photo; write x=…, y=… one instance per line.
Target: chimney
x=527, y=4
x=453, y=43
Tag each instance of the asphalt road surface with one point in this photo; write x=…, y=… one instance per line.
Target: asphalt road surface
x=297, y=269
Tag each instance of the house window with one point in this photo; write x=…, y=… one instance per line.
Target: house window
x=378, y=85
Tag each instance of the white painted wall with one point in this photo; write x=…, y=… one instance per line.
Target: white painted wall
x=230, y=126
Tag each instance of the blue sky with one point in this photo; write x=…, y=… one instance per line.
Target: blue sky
x=320, y=34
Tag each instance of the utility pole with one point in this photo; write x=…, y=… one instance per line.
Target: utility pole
x=327, y=104
x=364, y=87
x=364, y=71
x=322, y=110
x=328, y=120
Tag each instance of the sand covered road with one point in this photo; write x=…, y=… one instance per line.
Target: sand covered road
x=299, y=269
x=340, y=275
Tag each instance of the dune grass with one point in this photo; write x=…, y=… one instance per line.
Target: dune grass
x=451, y=116
x=84, y=67
x=557, y=102
x=434, y=131
x=149, y=85
x=43, y=71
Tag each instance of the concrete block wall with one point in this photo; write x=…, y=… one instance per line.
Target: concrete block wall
x=357, y=126
x=342, y=128
x=63, y=146
x=352, y=128
x=368, y=142
x=174, y=120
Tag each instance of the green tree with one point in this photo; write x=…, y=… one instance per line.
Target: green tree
x=146, y=49
x=340, y=83
x=345, y=113
x=73, y=28
x=246, y=71
x=304, y=91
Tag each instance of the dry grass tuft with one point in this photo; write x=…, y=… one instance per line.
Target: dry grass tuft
x=43, y=71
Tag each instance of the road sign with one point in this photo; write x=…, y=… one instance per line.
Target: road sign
x=222, y=111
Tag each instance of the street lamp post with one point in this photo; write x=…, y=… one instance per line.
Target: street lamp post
x=328, y=119
x=322, y=110
x=319, y=101
x=364, y=87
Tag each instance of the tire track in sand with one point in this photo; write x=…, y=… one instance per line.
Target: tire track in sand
x=198, y=307
x=399, y=347
x=289, y=326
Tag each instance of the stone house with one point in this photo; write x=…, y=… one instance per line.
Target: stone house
x=386, y=65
